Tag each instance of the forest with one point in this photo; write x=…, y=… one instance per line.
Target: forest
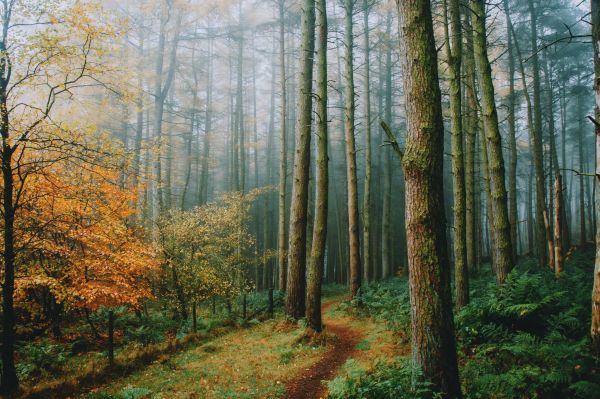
x=336, y=199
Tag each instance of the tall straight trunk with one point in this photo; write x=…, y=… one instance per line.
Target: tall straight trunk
x=595, y=328
x=317, y=256
x=203, y=189
x=240, y=146
x=189, y=139
x=296, y=280
x=139, y=127
x=281, y=229
x=386, y=216
x=454, y=54
x=500, y=223
x=352, y=181
x=432, y=325
x=368, y=262
x=541, y=210
x=513, y=217
x=580, y=146
x=471, y=183
x=162, y=86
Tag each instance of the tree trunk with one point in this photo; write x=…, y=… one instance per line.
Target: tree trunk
x=367, y=268
x=432, y=326
x=471, y=123
x=454, y=54
x=500, y=223
x=353, y=236
x=542, y=219
x=386, y=216
x=513, y=212
x=558, y=228
x=317, y=256
x=595, y=328
x=296, y=280
x=281, y=252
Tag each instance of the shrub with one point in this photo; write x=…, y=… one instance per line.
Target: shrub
x=40, y=359
x=384, y=381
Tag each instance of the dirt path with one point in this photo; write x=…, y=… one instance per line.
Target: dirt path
x=308, y=384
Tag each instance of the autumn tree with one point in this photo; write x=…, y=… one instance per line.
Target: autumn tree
x=61, y=53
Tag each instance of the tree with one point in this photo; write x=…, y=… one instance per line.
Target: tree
x=296, y=279
x=70, y=42
x=454, y=54
x=281, y=253
x=432, y=325
x=317, y=257
x=500, y=223
x=542, y=218
x=595, y=329
x=367, y=268
x=353, y=236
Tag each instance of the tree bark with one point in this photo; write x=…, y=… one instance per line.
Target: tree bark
x=500, y=223
x=317, y=257
x=352, y=181
x=367, y=268
x=432, y=325
x=513, y=212
x=296, y=280
x=595, y=327
x=454, y=54
x=281, y=252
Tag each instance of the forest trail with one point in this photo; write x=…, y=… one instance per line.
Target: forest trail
x=308, y=385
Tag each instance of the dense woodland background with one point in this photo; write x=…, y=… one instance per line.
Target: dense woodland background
x=191, y=158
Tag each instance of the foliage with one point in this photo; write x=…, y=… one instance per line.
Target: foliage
x=39, y=359
x=80, y=252
x=208, y=251
x=384, y=381
x=387, y=301
x=528, y=338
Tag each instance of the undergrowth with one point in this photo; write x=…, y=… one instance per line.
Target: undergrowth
x=526, y=339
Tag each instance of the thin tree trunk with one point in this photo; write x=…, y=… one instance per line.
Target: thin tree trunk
x=281, y=250
x=367, y=268
x=511, y=138
x=500, y=223
x=454, y=54
x=353, y=236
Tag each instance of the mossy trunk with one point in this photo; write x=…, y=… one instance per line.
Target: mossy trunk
x=432, y=325
x=454, y=54
x=296, y=277
x=500, y=224
x=317, y=256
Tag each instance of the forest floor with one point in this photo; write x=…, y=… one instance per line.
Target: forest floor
x=274, y=359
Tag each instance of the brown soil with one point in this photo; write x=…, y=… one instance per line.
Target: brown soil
x=308, y=384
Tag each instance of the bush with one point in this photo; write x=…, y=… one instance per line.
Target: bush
x=528, y=338
x=145, y=335
x=40, y=359
x=384, y=381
